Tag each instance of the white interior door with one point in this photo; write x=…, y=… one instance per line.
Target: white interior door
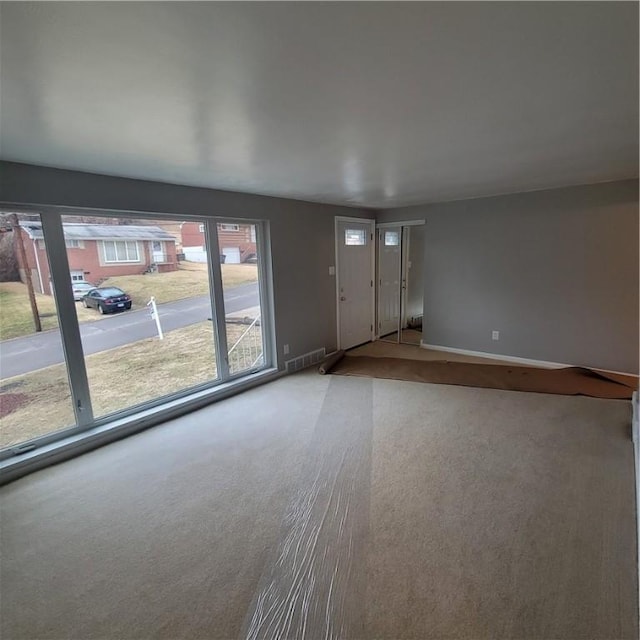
x=355, y=262
x=389, y=277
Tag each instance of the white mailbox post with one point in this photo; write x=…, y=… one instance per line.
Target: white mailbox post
x=155, y=315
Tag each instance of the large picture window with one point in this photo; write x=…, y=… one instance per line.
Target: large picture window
x=120, y=251
x=185, y=322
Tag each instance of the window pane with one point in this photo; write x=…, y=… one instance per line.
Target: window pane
x=127, y=362
x=241, y=287
x=355, y=237
x=132, y=251
x=109, y=252
x=35, y=397
x=121, y=251
x=391, y=238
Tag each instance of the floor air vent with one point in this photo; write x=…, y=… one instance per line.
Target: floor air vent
x=304, y=361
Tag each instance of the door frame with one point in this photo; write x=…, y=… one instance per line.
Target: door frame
x=372, y=270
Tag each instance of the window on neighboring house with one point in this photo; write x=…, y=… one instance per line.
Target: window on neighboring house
x=229, y=227
x=201, y=228
x=120, y=251
x=253, y=233
x=74, y=244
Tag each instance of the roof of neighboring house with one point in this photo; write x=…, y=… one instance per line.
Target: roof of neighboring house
x=81, y=231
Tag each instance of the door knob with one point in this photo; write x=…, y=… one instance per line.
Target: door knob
x=342, y=298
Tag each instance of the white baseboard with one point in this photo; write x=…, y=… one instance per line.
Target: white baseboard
x=495, y=356
x=527, y=361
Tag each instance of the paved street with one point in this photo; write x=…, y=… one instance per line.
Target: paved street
x=22, y=355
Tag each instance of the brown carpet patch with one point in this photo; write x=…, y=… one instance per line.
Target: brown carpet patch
x=565, y=381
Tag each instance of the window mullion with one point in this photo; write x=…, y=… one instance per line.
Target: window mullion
x=69, y=329
x=217, y=299
x=266, y=293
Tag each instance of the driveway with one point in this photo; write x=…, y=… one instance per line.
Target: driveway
x=22, y=355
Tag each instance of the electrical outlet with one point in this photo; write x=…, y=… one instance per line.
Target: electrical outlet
x=495, y=335
x=332, y=271
x=285, y=349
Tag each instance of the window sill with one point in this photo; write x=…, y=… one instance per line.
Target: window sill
x=20, y=465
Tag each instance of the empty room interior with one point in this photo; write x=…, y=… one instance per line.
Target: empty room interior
x=319, y=320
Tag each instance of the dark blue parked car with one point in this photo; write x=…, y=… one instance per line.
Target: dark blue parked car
x=107, y=300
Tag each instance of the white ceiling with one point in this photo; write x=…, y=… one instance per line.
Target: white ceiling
x=378, y=104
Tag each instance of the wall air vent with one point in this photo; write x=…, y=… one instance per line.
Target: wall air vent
x=304, y=361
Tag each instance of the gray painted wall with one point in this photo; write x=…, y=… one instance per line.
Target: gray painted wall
x=556, y=272
x=302, y=236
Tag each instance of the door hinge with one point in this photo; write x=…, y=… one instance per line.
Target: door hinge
x=371, y=328
x=372, y=283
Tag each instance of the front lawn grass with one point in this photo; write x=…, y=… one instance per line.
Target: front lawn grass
x=15, y=311
x=16, y=318
x=118, y=379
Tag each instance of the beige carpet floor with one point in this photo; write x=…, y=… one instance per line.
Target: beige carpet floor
x=327, y=507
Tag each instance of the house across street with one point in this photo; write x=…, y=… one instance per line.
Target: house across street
x=99, y=251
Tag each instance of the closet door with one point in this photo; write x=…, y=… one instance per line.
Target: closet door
x=389, y=279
